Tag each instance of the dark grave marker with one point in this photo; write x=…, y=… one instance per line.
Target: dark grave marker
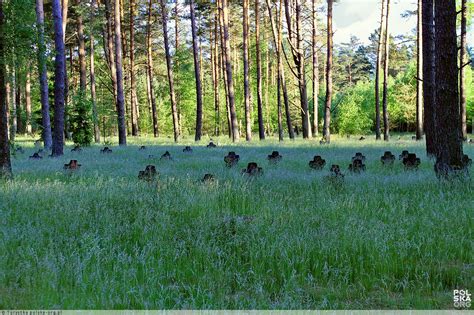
x=188, y=149
x=361, y=138
x=77, y=149
x=275, y=157
x=106, y=150
x=357, y=166
x=36, y=156
x=252, y=170
x=317, y=163
x=208, y=178
x=166, y=156
x=211, y=145
x=142, y=148
x=19, y=150
x=466, y=161
x=387, y=158
x=72, y=165
x=403, y=155
x=231, y=159
x=149, y=174
x=358, y=156
x=411, y=162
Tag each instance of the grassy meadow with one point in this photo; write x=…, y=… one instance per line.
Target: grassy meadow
x=100, y=238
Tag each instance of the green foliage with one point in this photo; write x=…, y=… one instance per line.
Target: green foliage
x=80, y=119
x=353, y=117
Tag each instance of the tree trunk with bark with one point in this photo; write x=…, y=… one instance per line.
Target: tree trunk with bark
x=197, y=74
x=327, y=107
x=386, y=126
x=428, y=34
x=245, y=47
x=59, y=81
x=82, y=51
x=215, y=73
x=152, y=99
x=315, y=68
x=174, y=109
x=377, y=71
x=28, y=129
x=228, y=67
x=133, y=83
x=92, y=75
x=448, y=141
x=43, y=77
x=261, y=126
x=462, y=71
x=5, y=164
x=419, y=74
x=120, y=102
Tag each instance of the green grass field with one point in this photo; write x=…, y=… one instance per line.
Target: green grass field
x=289, y=239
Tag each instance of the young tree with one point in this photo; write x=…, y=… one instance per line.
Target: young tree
x=449, y=150
x=43, y=77
x=174, y=109
x=59, y=81
x=428, y=35
x=5, y=164
x=215, y=72
x=261, y=127
x=119, y=70
x=82, y=50
x=377, y=71
x=245, y=41
x=327, y=112
x=29, y=129
x=419, y=73
x=386, y=127
x=151, y=92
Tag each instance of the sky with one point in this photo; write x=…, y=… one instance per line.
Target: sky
x=362, y=17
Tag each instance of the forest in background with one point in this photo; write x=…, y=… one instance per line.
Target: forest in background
x=89, y=33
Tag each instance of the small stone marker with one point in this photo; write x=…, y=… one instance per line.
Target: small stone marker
x=335, y=172
x=166, y=156
x=387, y=158
x=149, y=174
x=106, y=150
x=403, y=155
x=77, y=149
x=466, y=161
x=317, y=163
x=72, y=166
x=357, y=166
x=252, y=170
x=36, y=156
x=142, y=148
x=211, y=145
x=20, y=150
x=208, y=178
x=275, y=157
x=471, y=141
x=188, y=149
x=231, y=159
x=358, y=156
x=361, y=138
x=411, y=162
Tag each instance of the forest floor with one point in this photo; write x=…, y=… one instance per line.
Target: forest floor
x=101, y=238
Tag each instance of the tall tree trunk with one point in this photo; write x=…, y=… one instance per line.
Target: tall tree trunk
x=5, y=164
x=386, y=126
x=176, y=25
x=59, y=81
x=462, y=72
x=152, y=99
x=449, y=142
x=295, y=40
x=7, y=97
x=377, y=71
x=133, y=87
x=261, y=126
x=82, y=51
x=174, y=110
x=223, y=67
x=327, y=111
x=428, y=34
x=43, y=76
x=228, y=66
x=14, y=125
x=197, y=74
x=64, y=14
x=92, y=74
x=18, y=115
x=419, y=74
x=277, y=39
x=122, y=129
x=215, y=74
x=28, y=103
x=315, y=69
x=110, y=46
x=245, y=46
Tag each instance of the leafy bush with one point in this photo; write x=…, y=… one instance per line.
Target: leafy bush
x=81, y=120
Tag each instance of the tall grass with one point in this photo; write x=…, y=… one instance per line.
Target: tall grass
x=101, y=238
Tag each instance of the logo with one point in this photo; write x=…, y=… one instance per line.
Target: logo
x=462, y=299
